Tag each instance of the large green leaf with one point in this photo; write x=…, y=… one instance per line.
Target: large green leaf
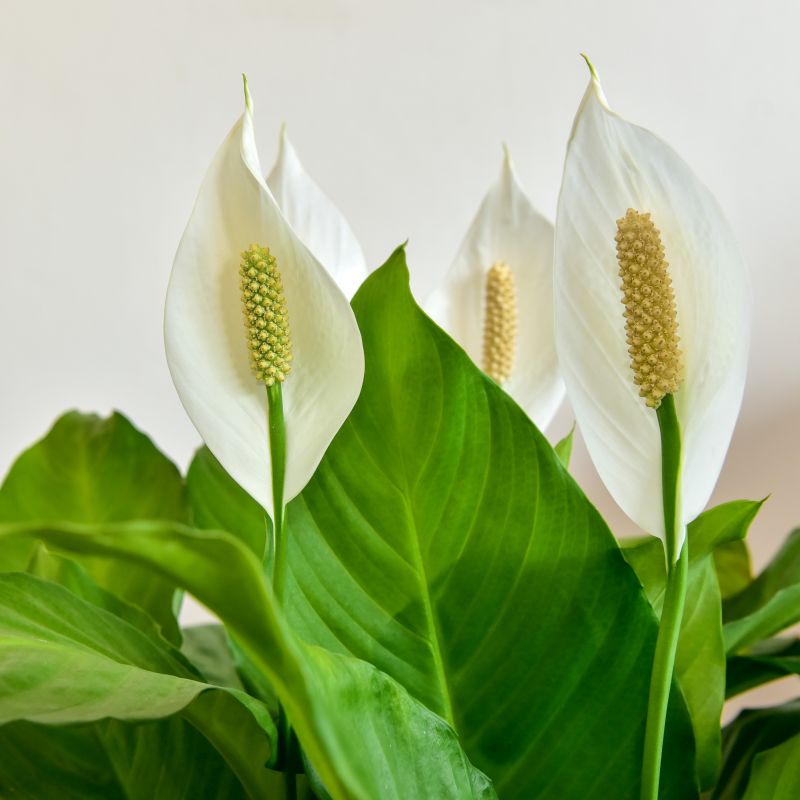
x=365, y=734
x=751, y=733
x=442, y=540
x=93, y=470
x=700, y=662
x=110, y=760
x=64, y=660
x=770, y=603
x=776, y=773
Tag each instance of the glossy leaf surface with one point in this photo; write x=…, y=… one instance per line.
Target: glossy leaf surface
x=359, y=727
x=442, y=540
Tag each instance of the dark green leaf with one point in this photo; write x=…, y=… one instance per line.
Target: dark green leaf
x=751, y=733
x=442, y=540
x=761, y=663
x=92, y=470
x=359, y=727
x=109, y=760
x=770, y=603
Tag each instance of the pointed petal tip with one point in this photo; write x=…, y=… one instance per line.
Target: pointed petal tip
x=592, y=70
x=248, y=99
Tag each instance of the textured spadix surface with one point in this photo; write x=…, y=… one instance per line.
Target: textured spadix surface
x=205, y=338
x=611, y=166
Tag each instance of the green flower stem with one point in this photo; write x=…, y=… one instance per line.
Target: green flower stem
x=674, y=599
x=277, y=451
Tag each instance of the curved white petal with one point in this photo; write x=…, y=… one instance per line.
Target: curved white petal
x=508, y=229
x=205, y=336
x=316, y=220
x=612, y=165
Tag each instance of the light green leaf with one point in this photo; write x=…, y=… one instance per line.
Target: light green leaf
x=776, y=773
x=563, y=448
x=65, y=661
x=770, y=603
x=92, y=470
x=700, y=661
x=358, y=726
x=732, y=562
x=442, y=540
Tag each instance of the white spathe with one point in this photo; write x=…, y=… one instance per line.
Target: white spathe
x=316, y=220
x=205, y=337
x=612, y=165
x=507, y=229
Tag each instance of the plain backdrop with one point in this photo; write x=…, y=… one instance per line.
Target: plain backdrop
x=111, y=112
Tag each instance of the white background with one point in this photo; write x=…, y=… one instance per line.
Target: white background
x=111, y=112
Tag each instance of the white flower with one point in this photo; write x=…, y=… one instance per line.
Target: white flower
x=496, y=300
x=206, y=340
x=316, y=220
x=611, y=166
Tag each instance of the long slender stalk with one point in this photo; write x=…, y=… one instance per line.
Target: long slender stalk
x=277, y=449
x=674, y=599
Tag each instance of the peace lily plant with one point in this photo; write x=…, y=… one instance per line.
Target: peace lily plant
x=415, y=598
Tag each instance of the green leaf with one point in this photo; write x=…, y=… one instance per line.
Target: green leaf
x=564, y=448
x=64, y=660
x=770, y=603
x=442, y=540
x=110, y=760
x=732, y=562
x=752, y=733
x=761, y=663
x=218, y=503
x=360, y=728
x=722, y=524
x=92, y=470
x=700, y=662
x=776, y=773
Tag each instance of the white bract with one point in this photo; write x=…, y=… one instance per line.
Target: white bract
x=205, y=337
x=612, y=165
x=507, y=230
x=316, y=220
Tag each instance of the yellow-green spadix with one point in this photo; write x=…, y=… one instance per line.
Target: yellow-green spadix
x=496, y=300
x=625, y=337
x=209, y=350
